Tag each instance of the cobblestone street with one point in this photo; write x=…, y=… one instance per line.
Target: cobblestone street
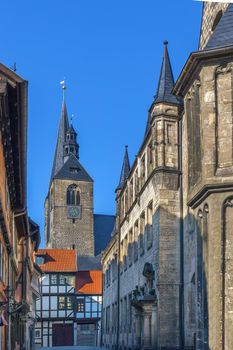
x=72, y=348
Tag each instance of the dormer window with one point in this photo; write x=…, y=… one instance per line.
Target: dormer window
x=74, y=170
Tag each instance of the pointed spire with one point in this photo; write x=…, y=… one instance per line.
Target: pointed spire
x=125, y=169
x=61, y=137
x=166, y=81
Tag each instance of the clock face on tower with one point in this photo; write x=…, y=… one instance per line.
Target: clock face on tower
x=74, y=211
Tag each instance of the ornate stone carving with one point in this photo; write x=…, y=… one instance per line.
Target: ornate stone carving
x=228, y=202
x=193, y=89
x=224, y=69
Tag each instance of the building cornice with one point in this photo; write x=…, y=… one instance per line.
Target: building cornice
x=207, y=190
x=193, y=64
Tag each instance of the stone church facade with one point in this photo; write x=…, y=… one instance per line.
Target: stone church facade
x=168, y=268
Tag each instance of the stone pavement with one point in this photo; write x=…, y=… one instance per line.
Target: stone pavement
x=72, y=348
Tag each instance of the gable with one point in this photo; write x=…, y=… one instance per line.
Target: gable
x=73, y=170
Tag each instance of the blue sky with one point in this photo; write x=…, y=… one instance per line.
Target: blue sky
x=110, y=53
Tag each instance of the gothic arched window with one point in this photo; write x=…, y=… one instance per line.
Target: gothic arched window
x=73, y=195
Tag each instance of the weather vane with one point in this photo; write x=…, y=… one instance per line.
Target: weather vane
x=71, y=119
x=63, y=86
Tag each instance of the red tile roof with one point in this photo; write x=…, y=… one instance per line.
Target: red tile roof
x=89, y=282
x=57, y=260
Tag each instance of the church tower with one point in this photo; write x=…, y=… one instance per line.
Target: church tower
x=211, y=15
x=69, y=203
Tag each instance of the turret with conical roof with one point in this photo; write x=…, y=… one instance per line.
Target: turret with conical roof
x=164, y=93
x=163, y=115
x=166, y=81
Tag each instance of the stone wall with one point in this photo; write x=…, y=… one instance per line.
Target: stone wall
x=110, y=290
x=66, y=232
x=208, y=218
x=148, y=228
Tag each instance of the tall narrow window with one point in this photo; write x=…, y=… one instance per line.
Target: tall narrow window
x=141, y=233
x=77, y=198
x=136, y=241
x=149, y=232
x=224, y=124
x=73, y=196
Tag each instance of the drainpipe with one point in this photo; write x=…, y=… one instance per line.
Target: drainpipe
x=181, y=291
x=118, y=274
x=102, y=312
x=9, y=314
x=118, y=292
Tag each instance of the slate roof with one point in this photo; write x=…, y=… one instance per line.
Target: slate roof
x=223, y=33
x=125, y=169
x=58, y=260
x=85, y=263
x=166, y=81
x=89, y=282
x=63, y=127
x=103, y=227
x=147, y=125
x=73, y=170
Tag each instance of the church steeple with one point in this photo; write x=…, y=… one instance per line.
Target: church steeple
x=61, y=138
x=125, y=169
x=166, y=81
x=69, y=202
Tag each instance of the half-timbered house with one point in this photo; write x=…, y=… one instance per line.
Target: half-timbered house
x=88, y=300
x=69, y=310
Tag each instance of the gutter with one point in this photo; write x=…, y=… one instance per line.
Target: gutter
x=192, y=64
x=118, y=278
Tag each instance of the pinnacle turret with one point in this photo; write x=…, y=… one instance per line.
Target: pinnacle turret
x=125, y=169
x=70, y=145
x=166, y=81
